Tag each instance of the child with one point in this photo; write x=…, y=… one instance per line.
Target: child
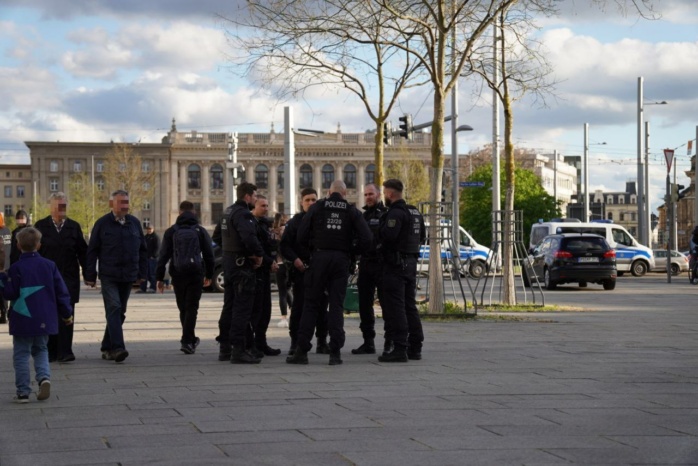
x=38, y=294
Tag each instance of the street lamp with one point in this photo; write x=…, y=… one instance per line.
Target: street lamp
x=585, y=166
x=455, y=221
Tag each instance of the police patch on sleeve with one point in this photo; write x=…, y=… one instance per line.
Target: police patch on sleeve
x=391, y=223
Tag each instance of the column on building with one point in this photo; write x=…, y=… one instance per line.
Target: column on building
x=360, y=181
x=206, y=193
x=182, y=183
x=174, y=194
x=339, y=171
x=317, y=179
x=273, y=201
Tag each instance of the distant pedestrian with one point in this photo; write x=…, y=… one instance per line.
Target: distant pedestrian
x=6, y=236
x=21, y=221
x=152, y=246
x=118, y=245
x=63, y=242
x=38, y=296
x=283, y=283
x=181, y=243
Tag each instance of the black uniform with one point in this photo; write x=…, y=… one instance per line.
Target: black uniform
x=331, y=226
x=402, y=232
x=370, y=273
x=152, y=246
x=262, y=303
x=237, y=234
x=291, y=250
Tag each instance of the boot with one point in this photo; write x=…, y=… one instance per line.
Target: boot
x=414, y=353
x=299, y=357
x=255, y=352
x=322, y=346
x=387, y=347
x=367, y=348
x=3, y=317
x=335, y=358
x=293, y=348
x=269, y=351
x=398, y=354
x=238, y=356
x=224, y=352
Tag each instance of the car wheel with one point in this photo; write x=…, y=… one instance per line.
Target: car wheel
x=638, y=269
x=549, y=283
x=476, y=269
x=582, y=284
x=218, y=284
x=609, y=285
x=675, y=269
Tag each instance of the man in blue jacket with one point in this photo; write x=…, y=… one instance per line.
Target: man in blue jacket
x=118, y=244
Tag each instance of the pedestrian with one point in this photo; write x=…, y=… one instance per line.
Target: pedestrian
x=370, y=271
x=21, y=221
x=401, y=233
x=38, y=296
x=298, y=257
x=257, y=343
x=335, y=229
x=6, y=235
x=236, y=232
x=117, y=245
x=282, y=279
x=152, y=246
x=186, y=245
x=63, y=242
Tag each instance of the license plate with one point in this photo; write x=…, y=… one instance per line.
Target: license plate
x=588, y=259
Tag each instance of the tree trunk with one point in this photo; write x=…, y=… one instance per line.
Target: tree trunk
x=436, y=284
x=509, y=288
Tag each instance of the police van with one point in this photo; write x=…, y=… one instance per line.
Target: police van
x=472, y=255
x=631, y=256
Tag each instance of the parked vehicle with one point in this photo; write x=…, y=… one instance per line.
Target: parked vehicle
x=679, y=261
x=631, y=256
x=572, y=258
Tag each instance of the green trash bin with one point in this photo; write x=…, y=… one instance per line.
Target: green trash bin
x=351, y=299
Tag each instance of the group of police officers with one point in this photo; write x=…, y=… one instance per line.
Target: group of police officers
x=320, y=245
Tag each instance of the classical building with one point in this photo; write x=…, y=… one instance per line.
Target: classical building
x=558, y=177
x=192, y=165
x=15, y=188
x=684, y=214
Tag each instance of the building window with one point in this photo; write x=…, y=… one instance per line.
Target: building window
x=350, y=176
x=622, y=217
x=146, y=221
x=280, y=177
x=20, y=191
x=621, y=200
x=53, y=184
x=327, y=176
x=370, y=174
x=261, y=176
x=610, y=216
x=8, y=191
x=100, y=184
x=20, y=175
x=100, y=166
x=8, y=211
x=146, y=205
x=609, y=200
x=194, y=178
x=77, y=166
x=633, y=199
x=216, y=211
x=306, y=176
x=53, y=166
x=216, y=173
x=146, y=186
x=633, y=217
x=145, y=167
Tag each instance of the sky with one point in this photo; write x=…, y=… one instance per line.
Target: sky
x=99, y=70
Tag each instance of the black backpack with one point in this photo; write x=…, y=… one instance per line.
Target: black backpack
x=186, y=249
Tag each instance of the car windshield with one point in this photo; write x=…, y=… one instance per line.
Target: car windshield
x=584, y=244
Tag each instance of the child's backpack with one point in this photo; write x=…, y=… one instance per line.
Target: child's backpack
x=186, y=249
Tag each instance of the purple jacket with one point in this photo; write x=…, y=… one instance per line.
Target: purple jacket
x=38, y=295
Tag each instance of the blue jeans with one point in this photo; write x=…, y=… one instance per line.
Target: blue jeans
x=23, y=348
x=115, y=296
x=152, y=265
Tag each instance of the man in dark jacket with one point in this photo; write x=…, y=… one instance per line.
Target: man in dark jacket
x=118, y=244
x=62, y=242
x=22, y=221
x=6, y=236
x=152, y=246
x=187, y=284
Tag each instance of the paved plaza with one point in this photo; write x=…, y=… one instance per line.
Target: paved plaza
x=617, y=384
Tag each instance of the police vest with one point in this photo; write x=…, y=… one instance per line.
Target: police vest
x=332, y=228
x=409, y=237
x=373, y=219
x=229, y=235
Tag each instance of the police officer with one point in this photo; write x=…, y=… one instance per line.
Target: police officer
x=331, y=226
x=242, y=254
x=401, y=233
x=298, y=257
x=370, y=270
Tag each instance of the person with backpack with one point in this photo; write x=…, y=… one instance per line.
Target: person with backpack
x=187, y=246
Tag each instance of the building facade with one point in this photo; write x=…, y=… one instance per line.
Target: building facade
x=16, y=189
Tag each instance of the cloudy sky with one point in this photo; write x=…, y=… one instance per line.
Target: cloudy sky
x=97, y=70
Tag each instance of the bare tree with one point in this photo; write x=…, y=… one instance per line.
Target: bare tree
x=124, y=169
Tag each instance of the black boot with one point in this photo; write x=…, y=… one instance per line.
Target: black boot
x=415, y=354
x=224, y=352
x=398, y=354
x=387, y=347
x=299, y=357
x=269, y=351
x=367, y=348
x=239, y=356
x=293, y=348
x=256, y=353
x=3, y=316
x=335, y=358
x=322, y=346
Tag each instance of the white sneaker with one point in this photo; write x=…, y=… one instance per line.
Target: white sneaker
x=283, y=323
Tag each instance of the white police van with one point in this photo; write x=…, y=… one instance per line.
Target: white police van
x=472, y=255
x=631, y=256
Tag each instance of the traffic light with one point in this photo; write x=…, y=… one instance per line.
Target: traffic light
x=387, y=133
x=674, y=192
x=406, y=127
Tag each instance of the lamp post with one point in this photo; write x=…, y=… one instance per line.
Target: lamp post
x=455, y=221
x=585, y=172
